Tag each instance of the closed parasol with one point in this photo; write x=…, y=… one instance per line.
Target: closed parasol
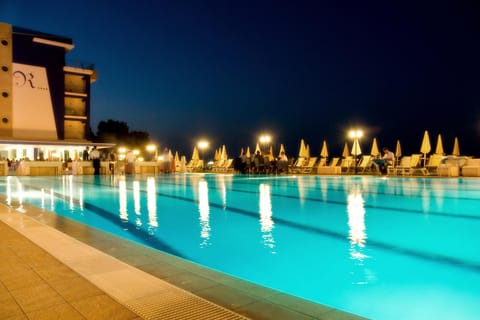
x=439, y=147
x=324, y=151
x=177, y=157
x=223, y=155
x=456, y=147
x=257, y=148
x=270, y=154
x=303, y=150
x=282, y=149
x=195, y=155
x=356, y=150
x=375, y=152
x=346, y=151
x=398, y=150
x=426, y=146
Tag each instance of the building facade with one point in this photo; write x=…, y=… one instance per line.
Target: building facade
x=44, y=101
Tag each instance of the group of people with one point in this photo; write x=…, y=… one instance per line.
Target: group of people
x=95, y=156
x=262, y=164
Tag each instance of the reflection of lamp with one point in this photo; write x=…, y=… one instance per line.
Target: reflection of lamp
x=203, y=145
x=204, y=209
x=356, y=135
x=266, y=221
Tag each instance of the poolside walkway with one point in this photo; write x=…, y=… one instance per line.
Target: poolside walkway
x=81, y=273
x=35, y=285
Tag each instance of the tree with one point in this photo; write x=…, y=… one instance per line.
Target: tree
x=114, y=131
x=138, y=138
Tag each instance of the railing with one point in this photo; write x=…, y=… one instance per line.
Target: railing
x=80, y=64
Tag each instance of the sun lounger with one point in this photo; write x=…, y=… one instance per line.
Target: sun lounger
x=218, y=165
x=409, y=165
x=433, y=163
x=297, y=164
x=346, y=164
x=194, y=165
x=308, y=167
x=332, y=168
x=365, y=163
x=322, y=162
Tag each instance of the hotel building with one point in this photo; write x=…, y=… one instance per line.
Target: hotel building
x=44, y=101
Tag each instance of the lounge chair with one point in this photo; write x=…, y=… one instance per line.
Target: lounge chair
x=346, y=164
x=433, y=162
x=322, y=162
x=332, y=168
x=297, y=164
x=194, y=166
x=228, y=166
x=191, y=165
x=308, y=167
x=410, y=164
x=365, y=163
x=218, y=165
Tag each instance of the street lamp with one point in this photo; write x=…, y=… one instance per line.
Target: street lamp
x=265, y=139
x=356, y=134
x=153, y=149
x=203, y=145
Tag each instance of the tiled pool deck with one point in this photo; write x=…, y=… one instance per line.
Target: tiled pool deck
x=55, y=268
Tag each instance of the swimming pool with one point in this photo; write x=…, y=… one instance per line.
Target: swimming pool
x=383, y=248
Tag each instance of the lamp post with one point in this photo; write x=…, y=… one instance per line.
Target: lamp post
x=203, y=145
x=356, y=134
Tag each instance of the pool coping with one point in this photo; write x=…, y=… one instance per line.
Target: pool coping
x=149, y=265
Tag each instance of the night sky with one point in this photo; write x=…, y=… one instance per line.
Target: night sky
x=232, y=70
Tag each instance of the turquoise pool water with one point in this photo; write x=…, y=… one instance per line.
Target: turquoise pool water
x=383, y=248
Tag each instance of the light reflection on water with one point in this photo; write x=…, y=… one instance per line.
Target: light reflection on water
x=122, y=198
x=266, y=221
x=204, y=210
x=152, y=204
x=356, y=222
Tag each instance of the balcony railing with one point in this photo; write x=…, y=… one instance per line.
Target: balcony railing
x=80, y=64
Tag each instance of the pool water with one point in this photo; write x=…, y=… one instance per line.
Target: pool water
x=382, y=248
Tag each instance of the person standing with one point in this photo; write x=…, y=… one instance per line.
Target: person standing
x=95, y=157
x=130, y=166
x=85, y=154
x=111, y=165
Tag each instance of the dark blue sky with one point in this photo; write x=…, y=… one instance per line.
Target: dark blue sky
x=229, y=70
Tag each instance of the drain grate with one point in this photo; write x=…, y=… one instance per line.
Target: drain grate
x=176, y=304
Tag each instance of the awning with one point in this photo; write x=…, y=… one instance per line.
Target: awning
x=57, y=143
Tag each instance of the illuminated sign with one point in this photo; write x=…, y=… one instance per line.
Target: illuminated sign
x=32, y=105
